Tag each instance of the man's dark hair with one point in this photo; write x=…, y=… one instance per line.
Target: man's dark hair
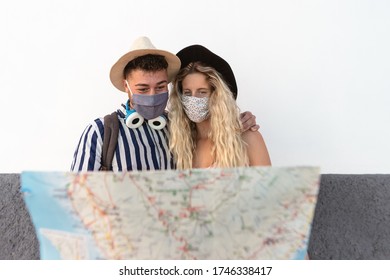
x=149, y=63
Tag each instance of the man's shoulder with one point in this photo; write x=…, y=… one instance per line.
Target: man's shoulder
x=97, y=125
x=121, y=114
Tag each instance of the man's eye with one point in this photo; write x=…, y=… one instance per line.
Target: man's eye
x=142, y=90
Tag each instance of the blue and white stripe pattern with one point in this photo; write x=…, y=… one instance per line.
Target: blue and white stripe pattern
x=141, y=148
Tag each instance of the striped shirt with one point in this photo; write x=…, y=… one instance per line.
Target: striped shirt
x=141, y=148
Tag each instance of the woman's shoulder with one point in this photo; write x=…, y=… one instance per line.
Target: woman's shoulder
x=256, y=148
x=250, y=136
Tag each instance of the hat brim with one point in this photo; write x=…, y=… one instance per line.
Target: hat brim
x=199, y=53
x=116, y=73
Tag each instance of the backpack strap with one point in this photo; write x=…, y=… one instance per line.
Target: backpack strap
x=110, y=141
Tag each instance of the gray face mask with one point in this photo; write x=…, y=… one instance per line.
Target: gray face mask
x=150, y=106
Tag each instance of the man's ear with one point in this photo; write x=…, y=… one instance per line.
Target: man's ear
x=128, y=91
x=125, y=85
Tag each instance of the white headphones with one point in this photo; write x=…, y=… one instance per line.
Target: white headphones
x=134, y=120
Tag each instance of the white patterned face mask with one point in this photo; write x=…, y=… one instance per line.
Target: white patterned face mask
x=196, y=108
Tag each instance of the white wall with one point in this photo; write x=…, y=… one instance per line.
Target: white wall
x=315, y=73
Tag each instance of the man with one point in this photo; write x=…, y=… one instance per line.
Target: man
x=144, y=74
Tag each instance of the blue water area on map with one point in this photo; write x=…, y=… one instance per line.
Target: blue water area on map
x=300, y=255
x=46, y=212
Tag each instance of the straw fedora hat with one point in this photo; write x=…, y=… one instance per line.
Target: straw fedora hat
x=142, y=46
x=199, y=53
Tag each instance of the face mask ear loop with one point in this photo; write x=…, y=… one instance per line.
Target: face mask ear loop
x=133, y=119
x=128, y=87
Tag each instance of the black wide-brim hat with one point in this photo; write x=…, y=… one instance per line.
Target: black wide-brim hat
x=199, y=53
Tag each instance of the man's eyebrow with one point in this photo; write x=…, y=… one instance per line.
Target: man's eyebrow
x=147, y=85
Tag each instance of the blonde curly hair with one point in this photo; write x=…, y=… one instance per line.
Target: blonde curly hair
x=229, y=149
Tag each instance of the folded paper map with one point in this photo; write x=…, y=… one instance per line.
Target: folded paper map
x=218, y=214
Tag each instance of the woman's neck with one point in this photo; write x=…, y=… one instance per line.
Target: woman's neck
x=203, y=129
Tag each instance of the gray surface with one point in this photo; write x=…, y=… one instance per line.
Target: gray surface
x=351, y=221
x=352, y=218
x=18, y=240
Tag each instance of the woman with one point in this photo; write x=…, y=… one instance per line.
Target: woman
x=204, y=125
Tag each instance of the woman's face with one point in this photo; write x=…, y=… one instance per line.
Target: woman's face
x=195, y=99
x=195, y=84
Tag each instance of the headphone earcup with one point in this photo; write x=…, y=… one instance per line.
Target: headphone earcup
x=134, y=119
x=158, y=123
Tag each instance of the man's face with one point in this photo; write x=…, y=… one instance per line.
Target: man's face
x=142, y=82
